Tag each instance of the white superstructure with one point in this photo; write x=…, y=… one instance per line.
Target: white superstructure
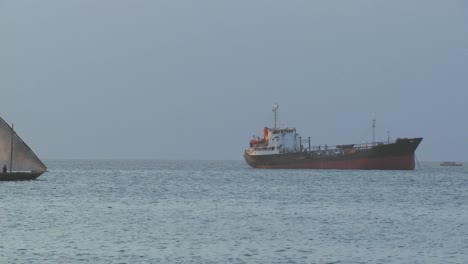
x=275, y=141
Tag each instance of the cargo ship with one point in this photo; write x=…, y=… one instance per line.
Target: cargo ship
x=284, y=148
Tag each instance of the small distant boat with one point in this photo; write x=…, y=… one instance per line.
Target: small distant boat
x=450, y=163
x=17, y=161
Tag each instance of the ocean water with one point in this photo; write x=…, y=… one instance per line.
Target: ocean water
x=95, y=211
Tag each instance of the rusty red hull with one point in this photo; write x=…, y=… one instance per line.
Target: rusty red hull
x=387, y=163
x=395, y=156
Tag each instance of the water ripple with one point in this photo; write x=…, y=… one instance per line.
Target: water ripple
x=224, y=212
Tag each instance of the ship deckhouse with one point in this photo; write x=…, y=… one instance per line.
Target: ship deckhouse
x=275, y=141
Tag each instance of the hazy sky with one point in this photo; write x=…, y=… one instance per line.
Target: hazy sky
x=196, y=79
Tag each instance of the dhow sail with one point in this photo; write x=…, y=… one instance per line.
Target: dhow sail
x=18, y=155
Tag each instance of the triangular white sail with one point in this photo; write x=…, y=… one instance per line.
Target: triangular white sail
x=24, y=159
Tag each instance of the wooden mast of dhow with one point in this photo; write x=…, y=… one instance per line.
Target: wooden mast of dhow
x=11, y=149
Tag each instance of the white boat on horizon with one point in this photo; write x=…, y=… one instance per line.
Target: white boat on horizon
x=450, y=163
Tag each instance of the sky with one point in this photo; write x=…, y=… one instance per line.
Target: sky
x=194, y=80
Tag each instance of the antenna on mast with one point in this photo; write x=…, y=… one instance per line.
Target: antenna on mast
x=275, y=111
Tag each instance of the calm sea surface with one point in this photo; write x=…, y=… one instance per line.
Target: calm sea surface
x=98, y=211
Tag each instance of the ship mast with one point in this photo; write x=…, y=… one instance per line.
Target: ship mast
x=373, y=130
x=275, y=111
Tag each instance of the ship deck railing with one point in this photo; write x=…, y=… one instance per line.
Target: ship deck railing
x=341, y=148
x=326, y=149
